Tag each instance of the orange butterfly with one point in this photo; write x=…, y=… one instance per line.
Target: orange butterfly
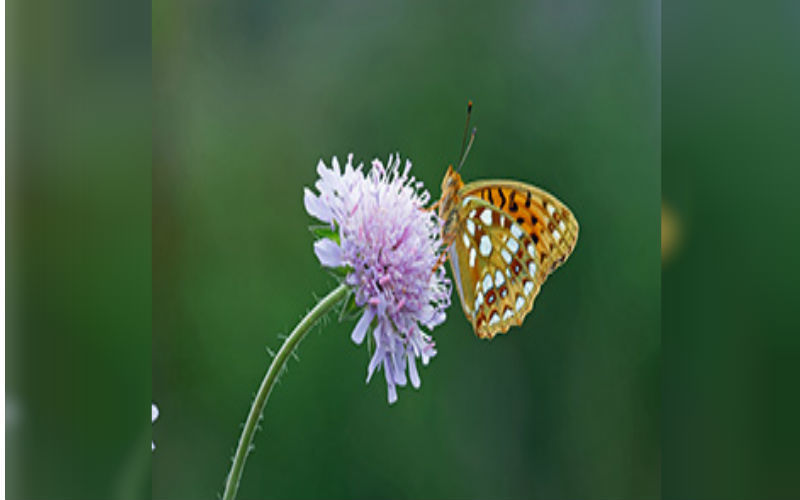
x=505, y=238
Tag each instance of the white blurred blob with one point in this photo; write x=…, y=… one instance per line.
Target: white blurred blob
x=154, y=417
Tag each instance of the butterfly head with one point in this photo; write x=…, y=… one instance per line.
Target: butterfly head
x=449, y=203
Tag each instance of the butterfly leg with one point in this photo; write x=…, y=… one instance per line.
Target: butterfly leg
x=440, y=262
x=433, y=207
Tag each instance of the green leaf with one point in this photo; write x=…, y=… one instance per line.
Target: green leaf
x=341, y=271
x=325, y=231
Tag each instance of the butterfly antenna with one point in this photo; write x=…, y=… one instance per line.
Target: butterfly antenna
x=466, y=129
x=466, y=151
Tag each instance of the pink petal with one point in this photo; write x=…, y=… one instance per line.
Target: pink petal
x=328, y=253
x=361, y=327
x=399, y=369
x=373, y=363
x=412, y=371
x=316, y=207
x=390, y=387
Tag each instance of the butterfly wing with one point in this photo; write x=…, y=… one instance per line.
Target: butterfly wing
x=495, y=267
x=549, y=222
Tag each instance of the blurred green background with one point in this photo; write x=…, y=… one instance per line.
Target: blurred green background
x=78, y=246
x=187, y=133
x=730, y=294
x=250, y=95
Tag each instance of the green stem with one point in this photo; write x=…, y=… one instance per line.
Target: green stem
x=275, y=368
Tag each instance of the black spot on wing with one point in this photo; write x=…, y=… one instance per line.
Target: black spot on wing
x=512, y=203
x=502, y=197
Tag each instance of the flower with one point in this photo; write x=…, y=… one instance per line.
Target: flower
x=388, y=244
x=154, y=416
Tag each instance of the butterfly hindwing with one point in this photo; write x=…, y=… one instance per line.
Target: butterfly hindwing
x=495, y=266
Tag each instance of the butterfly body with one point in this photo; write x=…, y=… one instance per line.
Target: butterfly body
x=504, y=238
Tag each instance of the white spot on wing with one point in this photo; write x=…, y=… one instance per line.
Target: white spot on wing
x=472, y=214
x=478, y=301
x=506, y=255
x=520, y=302
x=550, y=209
x=472, y=255
x=486, y=246
x=556, y=235
x=499, y=279
x=487, y=283
x=486, y=217
x=507, y=314
x=532, y=250
x=562, y=227
x=466, y=239
x=516, y=231
x=494, y=319
x=528, y=287
x=512, y=245
x=471, y=227
x=532, y=269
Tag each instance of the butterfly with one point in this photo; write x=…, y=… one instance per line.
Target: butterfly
x=503, y=239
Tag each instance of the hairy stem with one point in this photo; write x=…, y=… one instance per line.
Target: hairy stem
x=275, y=368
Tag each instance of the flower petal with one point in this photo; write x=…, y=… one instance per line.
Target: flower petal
x=390, y=388
x=379, y=354
x=361, y=327
x=315, y=206
x=328, y=253
x=412, y=371
x=399, y=368
x=428, y=351
x=323, y=171
x=374, y=363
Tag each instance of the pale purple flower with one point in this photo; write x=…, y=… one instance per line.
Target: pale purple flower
x=154, y=416
x=388, y=245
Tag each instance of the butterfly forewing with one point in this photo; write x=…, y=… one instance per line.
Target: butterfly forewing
x=496, y=267
x=550, y=224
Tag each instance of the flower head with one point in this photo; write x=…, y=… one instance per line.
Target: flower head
x=388, y=245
